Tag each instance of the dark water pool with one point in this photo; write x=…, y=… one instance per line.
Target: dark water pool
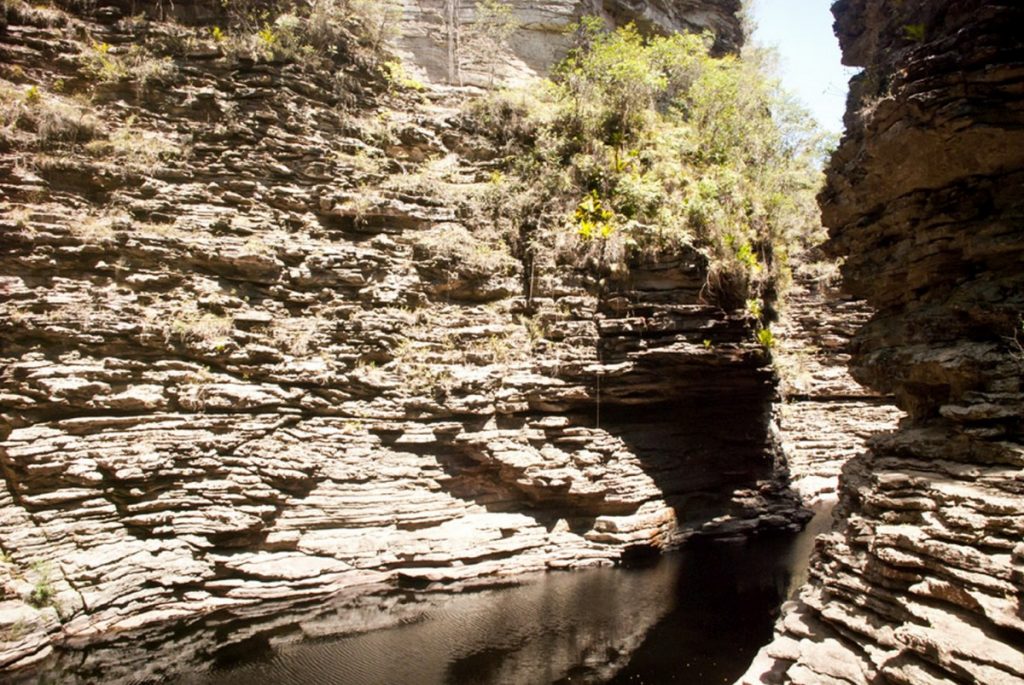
x=695, y=617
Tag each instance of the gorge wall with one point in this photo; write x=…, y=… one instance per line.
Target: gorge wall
x=258, y=347
x=922, y=580
x=436, y=34
x=825, y=415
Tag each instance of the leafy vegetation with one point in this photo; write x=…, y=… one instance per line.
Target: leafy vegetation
x=914, y=32
x=43, y=592
x=639, y=146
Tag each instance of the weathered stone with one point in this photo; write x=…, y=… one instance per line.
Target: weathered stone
x=253, y=374
x=433, y=32
x=919, y=583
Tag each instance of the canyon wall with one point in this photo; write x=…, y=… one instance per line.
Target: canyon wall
x=825, y=415
x=922, y=579
x=258, y=345
x=437, y=35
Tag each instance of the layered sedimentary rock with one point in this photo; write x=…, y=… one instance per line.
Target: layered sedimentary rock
x=255, y=348
x=438, y=35
x=825, y=416
x=922, y=580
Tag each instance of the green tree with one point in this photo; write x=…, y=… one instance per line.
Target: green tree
x=674, y=148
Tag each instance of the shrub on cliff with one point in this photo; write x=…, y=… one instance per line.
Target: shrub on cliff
x=103, y=63
x=296, y=31
x=673, y=148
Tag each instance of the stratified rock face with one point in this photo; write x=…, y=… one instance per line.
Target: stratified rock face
x=436, y=33
x=923, y=580
x=255, y=346
x=825, y=416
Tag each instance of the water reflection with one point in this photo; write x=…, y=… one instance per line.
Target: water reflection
x=696, y=617
x=581, y=626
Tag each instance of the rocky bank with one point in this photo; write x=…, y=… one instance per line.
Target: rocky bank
x=922, y=580
x=257, y=347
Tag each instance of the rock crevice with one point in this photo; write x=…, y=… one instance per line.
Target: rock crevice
x=921, y=581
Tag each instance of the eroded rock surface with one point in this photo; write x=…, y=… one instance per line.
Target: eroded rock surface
x=255, y=348
x=922, y=580
x=825, y=416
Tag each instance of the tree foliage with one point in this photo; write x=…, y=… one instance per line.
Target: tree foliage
x=673, y=147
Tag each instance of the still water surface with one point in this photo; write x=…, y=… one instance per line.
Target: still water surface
x=695, y=617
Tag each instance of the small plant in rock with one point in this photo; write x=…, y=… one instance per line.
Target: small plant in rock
x=14, y=632
x=133, y=148
x=43, y=592
x=1017, y=341
x=914, y=32
x=102, y=62
x=362, y=161
x=535, y=330
x=754, y=308
x=296, y=336
x=593, y=219
x=190, y=325
x=98, y=227
x=398, y=78
x=765, y=338
x=258, y=245
x=44, y=119
x=18, y=216
x=469, y=253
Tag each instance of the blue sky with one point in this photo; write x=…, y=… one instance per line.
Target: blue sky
x=809, y=64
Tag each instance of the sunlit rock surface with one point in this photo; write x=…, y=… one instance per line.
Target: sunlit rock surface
x=256, y=354
x=922, y=580
x=434, y=32
x=825, y=416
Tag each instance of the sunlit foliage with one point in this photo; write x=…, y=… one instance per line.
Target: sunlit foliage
x=646, y=145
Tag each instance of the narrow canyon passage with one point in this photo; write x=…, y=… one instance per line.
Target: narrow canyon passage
x=306, y=360
x=921, y=582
